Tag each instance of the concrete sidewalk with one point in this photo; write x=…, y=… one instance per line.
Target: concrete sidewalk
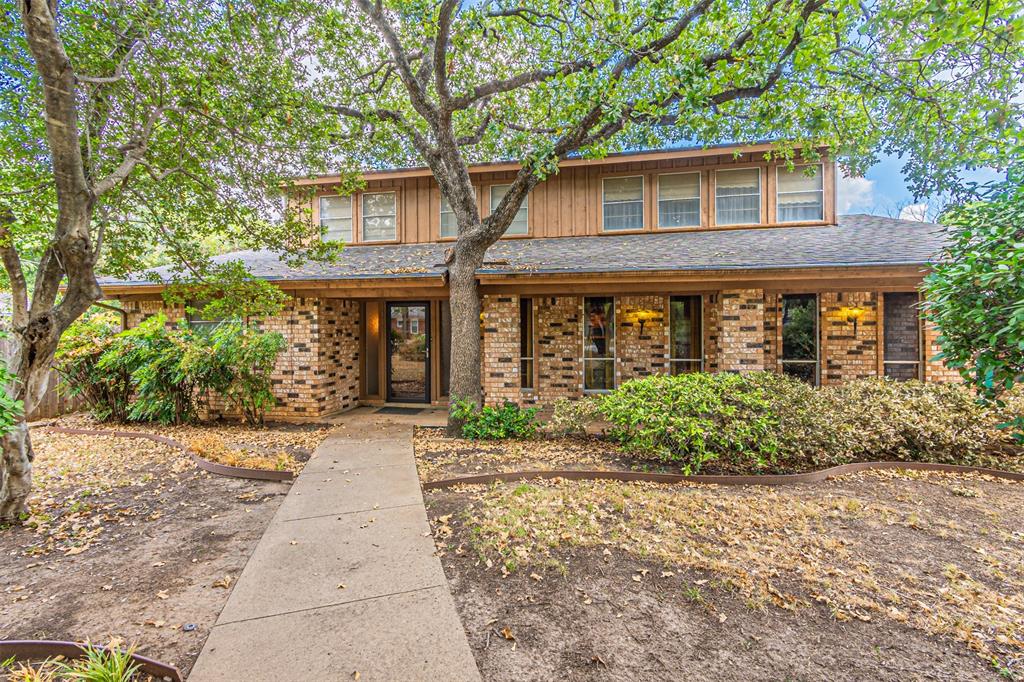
x=344, y=579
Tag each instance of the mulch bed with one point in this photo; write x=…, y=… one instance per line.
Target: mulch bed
x=129, y=543
x=879, y=575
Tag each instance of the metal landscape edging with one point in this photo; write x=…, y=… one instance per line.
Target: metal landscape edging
x=37, y=649
x=765, y=479
x=202, y=463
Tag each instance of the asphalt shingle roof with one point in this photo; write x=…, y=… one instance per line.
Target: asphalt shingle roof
x=857, y=240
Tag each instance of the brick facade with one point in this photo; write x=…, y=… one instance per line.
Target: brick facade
x=846, y=352
x=640, y=352
x=741, y=335
x=936, y=370
x=559, y=347
x=500, y=349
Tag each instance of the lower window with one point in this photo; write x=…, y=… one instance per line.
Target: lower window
x=686, y=353
x=599, y=343
x=901, y=355
x=526, y=344
x=800, y=336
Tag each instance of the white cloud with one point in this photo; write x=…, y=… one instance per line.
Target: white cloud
x=855, y=194
x=917, y=212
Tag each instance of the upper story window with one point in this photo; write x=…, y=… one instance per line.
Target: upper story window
x=449, y=225
x=519, y=224
x=336, y=218
x=679, y=200
x=738, y=197
x=380, y=217
x=800, y=196
x=623, y=203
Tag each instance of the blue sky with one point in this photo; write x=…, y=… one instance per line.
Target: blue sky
x=883, y=191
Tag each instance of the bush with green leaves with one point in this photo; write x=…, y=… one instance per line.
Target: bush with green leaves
x=106, y=393
x=244, y=358
x=572, y=417
x=494, y=423
x=768, y=422
x=975, y=293
x=691, y=419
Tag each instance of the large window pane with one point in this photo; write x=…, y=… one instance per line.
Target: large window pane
x=526, y=343
x=599, y=343
x=685, y=336
x=379, y=217
x=901, y=355
x=800, y=336
x=520, y=224
x=449, y=226
x=679, y=200
x=738, y=197
x=800, y=196
x=623, y=204
x=336, y=218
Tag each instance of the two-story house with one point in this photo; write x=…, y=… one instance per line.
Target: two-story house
x=664, y=261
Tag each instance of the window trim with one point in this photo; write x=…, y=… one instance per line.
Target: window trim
x=614, y=359
x=700, y=320
x=760, y=197
x=817, y=337
x=363, y=215
x=821, y=173
x=645, y=220
x=533, y=345
x=351, y=211
x=489, y=190
x=700, y=202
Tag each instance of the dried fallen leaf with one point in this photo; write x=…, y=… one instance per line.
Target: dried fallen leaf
x=224, y=582
x=506, y=632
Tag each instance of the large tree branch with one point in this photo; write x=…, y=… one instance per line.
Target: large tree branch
x=15, y=273
x=440, y=52
x=118, y=72
x=501, y=85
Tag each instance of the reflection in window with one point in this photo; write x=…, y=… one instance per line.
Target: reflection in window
x=686, y=340
x=379, y=213
x=519, y=224
x=800, y=196
x=526, y=343
x=599, y=343
x=901, y=355
x=449, y=225
x=679, y=200
x=800, y=336
x=738, y=197
x=623, y=204
x=336, y=218
x=197, y=319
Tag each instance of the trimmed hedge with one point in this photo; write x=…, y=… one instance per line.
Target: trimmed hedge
x=767, y=422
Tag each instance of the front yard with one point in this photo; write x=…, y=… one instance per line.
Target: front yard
x=128, y=542
x=880, y=575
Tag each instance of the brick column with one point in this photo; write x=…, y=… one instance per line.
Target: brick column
x=741, y=338
x=559, y=333
x=846, y=355
x=500, y=349
x=338, y=356
x=712, y=305
x=640, y=353
x=936, y=370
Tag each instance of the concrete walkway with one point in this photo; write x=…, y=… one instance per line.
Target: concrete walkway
x=344, y=579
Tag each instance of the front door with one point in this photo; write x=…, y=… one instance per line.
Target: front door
x=408, y=352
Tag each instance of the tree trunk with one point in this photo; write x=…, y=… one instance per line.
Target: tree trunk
x=34, y=347
x=464, y=297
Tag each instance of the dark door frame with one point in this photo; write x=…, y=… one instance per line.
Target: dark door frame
x=388, y=305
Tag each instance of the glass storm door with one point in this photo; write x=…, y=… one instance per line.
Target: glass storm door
x=408, y=352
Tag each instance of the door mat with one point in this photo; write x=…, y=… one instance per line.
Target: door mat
x=400, y=410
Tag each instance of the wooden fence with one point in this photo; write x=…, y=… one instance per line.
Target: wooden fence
x=55, y=401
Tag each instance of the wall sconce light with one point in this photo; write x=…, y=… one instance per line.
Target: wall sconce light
x=853, y=314
x=643, y=317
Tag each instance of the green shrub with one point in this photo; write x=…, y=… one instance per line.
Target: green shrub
x=106, y=393
x=243, y=359
x=494, y=423
x=691, y=419
x=572, y=417
x=767, y=421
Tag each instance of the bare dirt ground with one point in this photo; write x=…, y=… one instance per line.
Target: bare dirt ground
x=128, y=542
x=876, y=576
